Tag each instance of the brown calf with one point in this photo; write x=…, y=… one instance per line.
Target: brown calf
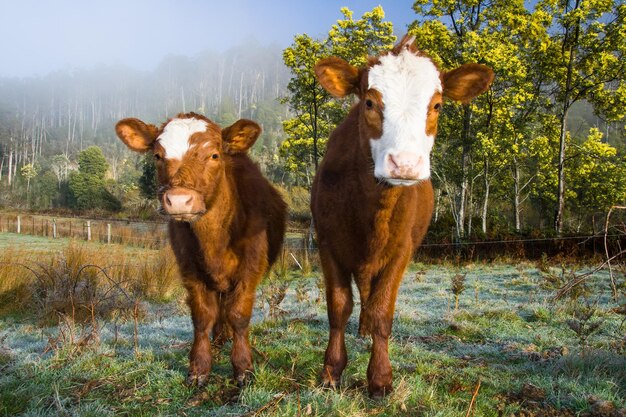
x=372, y=197
x=226, y=224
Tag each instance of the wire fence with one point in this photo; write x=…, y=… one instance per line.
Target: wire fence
x=154, y=235
x=151, y=235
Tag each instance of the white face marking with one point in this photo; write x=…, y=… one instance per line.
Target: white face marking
x=407, y=83
x=175, y=136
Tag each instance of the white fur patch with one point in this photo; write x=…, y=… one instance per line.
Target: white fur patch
x=175, y=136
x=407, y=83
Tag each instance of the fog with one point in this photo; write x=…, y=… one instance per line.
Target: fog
x=71, y=69
x=39, y=37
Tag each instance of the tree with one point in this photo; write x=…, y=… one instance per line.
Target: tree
x=28, y=171
x=60, y=166
x=315, y=114
x=597, y=175
x=148, y=180
x=92, y=162
x=585, y=59
x=481, y=139
x=88, y=184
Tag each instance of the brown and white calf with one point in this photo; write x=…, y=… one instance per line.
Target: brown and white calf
x=226, y=224
x=372, y=197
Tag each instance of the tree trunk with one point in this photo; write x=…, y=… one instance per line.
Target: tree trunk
x=572, y=44
x=486, y=199
x=516, y=195
x=560, y=205
x=465, y=165
x=10, y=176
x=437, y=204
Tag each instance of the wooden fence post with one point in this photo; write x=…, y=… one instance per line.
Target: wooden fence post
x=88, y=229
x=54, y=228
x=19, y=224
x=108, y=233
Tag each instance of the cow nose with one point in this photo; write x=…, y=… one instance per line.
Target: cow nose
x=404, y=165
x=179, y=201
x=173, y=201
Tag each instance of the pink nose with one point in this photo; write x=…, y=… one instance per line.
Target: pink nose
x=180, y=201
x=405, y=165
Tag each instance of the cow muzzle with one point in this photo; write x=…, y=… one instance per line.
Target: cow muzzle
x=405, y=168
x=182, y=204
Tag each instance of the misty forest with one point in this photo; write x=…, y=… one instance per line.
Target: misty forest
x=542, y=153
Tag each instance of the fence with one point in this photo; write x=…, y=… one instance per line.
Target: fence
x=142, y=234
x=153, y=235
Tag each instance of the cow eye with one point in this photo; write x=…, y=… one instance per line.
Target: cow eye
x=157, y=157
x=369, y=103
x=437, y=106
x=215, y=156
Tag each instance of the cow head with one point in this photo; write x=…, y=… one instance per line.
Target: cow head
x=191, y=154
x=401, y=93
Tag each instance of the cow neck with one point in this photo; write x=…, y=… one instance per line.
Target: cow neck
x=220, y=214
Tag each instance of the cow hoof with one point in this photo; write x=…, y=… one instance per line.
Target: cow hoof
x=244, y=379
x=330, y=381
x=380, y=392
x=196, y=380
x=331, y=384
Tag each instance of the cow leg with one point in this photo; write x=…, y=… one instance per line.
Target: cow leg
x=379, y=318
x=238, y=310
x=204, y=309
x=339, y=303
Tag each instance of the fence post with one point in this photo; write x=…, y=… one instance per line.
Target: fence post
x=88, y=229
x=54, y=228
x=70, y=228
x=19, y=224
x=108, y=233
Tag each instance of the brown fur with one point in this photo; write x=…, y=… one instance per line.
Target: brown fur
x=366, y=230
x=224, y=253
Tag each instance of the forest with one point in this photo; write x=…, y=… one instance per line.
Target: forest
x=542, y=153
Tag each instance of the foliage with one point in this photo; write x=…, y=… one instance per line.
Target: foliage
x=596, y=177
x=584, y=58
x=148, y=178
x=316, y=115
x=88, y=184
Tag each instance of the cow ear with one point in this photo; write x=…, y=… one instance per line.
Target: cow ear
x=240, y=136
x=337, y=76
x=467, y=82
x=137, y=135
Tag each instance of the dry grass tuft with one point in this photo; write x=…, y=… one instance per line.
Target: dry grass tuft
x=85, y=281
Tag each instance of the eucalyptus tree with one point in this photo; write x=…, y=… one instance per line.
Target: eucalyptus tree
x=315, y=114
x=585, y=60
x=482, y=139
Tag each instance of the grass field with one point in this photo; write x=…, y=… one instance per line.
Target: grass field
x=507, y=349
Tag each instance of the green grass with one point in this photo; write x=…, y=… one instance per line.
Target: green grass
x=41, y=244
x=507, y=333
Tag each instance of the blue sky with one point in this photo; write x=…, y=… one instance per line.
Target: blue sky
x=40, y=36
